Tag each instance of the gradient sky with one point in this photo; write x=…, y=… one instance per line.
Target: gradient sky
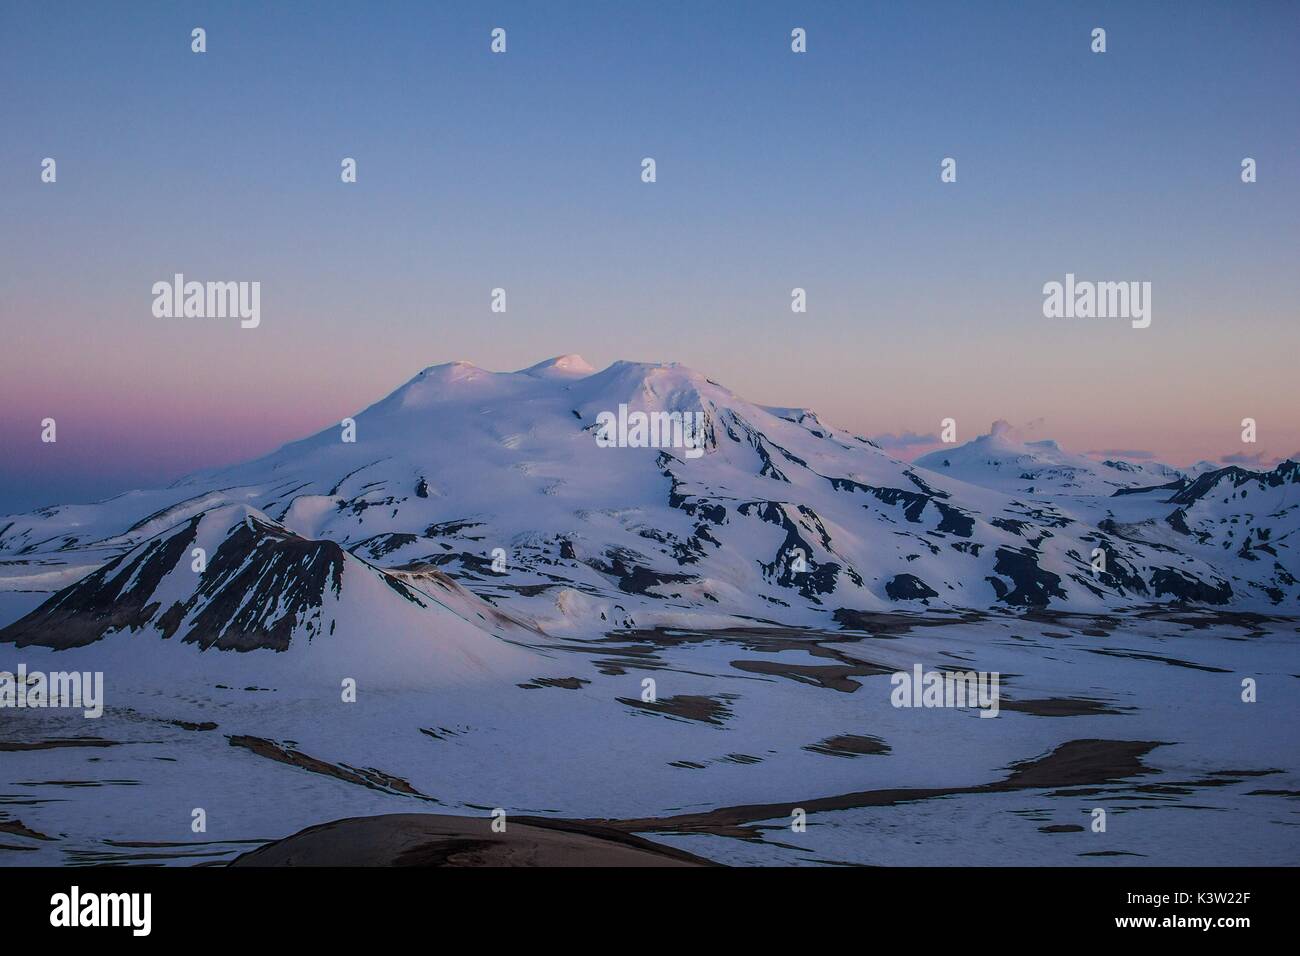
x=522, y=171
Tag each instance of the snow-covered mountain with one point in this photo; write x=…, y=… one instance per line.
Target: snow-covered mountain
x=1041, y=469
x=459, y=611
x=232, y=579
x=1252, y=516
x=495, y=501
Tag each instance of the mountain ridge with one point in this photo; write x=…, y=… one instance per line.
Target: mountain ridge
x=496, y=482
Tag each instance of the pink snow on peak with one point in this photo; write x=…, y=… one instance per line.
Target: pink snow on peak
x=566, y=366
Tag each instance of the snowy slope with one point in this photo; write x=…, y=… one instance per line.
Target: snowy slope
x=261, y=587
x=1251, y=516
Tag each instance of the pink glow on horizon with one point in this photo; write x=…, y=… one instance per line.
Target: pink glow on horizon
x=159, y=430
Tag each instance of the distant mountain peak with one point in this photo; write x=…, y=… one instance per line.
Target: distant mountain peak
x=562, y=366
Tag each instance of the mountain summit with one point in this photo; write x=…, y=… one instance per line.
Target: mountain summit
x=563, y=366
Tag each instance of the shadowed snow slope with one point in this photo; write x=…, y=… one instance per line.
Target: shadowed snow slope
x=258, y=586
